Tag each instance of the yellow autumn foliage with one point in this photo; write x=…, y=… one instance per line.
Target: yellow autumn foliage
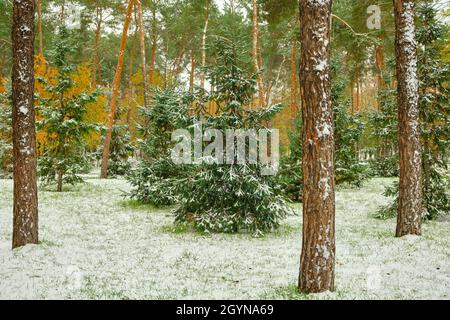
x=46, y=75
x=132, y=100
x=96, y=111
x=2, y=84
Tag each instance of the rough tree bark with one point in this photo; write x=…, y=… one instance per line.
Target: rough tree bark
x=255, y=51
x=205, y=31
x=116, y=85
x=410, y=193
x=25, y=220
x=318, y=246
x=142, y=51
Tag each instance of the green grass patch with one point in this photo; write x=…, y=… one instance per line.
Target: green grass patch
x=182, y=228
x=284, y=230
x=48, y=243
x=287, y=293
x=136, y=205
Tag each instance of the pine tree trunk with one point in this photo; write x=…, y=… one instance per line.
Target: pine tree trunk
x=205, y=31
x=41, y=45
x=255, y=52
x=260, y=66
x=142, y=49
x=410, y=193
x=97, y=66
x=176, y=66
x=268, y=88
x=25, y=221
x=116, y=85
x=1, y=73
x=294, y=76
x=63, y=13
x=379, y=62
x=318, y=246
x=352, y=88
x=270, y=84
x=132, y=55
x=361, y=95
x=426, y=167
x=153, y=51
x=130, y=74
x=59, y=181
x=166, y=67
x=357, y=93
x=192, y=73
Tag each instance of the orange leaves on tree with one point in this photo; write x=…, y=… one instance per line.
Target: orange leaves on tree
x=96, y=111
x=44, y=76
x=82, y=83
x=2, y=84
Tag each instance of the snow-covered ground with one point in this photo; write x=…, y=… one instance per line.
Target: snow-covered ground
x=96, y=245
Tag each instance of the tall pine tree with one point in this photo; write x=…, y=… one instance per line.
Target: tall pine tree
x=433, y=73
x=318, y=246
x=25, y=219
x=410, y=184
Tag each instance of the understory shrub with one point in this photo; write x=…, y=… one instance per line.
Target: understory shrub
x=6, y=161
x=154, y=181
x=232, y=197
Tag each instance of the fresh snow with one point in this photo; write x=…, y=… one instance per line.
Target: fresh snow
x=318, y=3
x=321, y=65
x=23, y=109
x=95, y=245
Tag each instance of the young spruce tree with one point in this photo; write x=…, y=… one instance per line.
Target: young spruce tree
x=223, y=197
x=121, y=148
x=154, y=181
x=63, y=121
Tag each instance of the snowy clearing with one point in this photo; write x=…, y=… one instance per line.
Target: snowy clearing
x=96, y=245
